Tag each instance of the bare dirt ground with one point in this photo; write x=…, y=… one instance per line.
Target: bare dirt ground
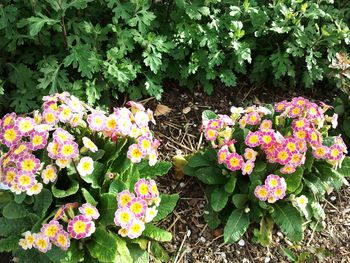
x=178, y=130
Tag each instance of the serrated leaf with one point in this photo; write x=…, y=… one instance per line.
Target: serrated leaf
x=236, y=226
x=288, y=218
x=42, y=202
x=37, y=23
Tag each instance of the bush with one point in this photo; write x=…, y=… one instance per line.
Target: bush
x=75, y=187
x=269, y=165
x=97, y=49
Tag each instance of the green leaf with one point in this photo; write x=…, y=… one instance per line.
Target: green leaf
x=42, y=202
x=55, y=254
x=167, y=205
x=218, y=199
x=138, y=255
x=60, y=193
x=228, y=77
x=236, y=226
x=210, y=175
x=292, y=180
x=108, y=247
x=208, y=115
x=10, y=243
x=239, y=200
x=88, y=197
x=211, y=217
x=74, y=254
x=288, y=218
x=107, y=207
x=198, y=160
x=37, y=23
x=344, y=170
x=231, y=184
x=95, y=179
x=159, y=169
x=156, y=233
x=159, y=252
x=332, y=177
x=15, y=226
x=13, y=210
x=117, y=186
x=20, y=198
x=289, y=254
x=317, y=211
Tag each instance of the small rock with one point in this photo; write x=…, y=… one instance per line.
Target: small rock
x=267, y=260
x=241, y=243
x=245, y=260
x=182, y=185
x=202, y=239
x=279, y=234
x=333, y=198
x=188, y=233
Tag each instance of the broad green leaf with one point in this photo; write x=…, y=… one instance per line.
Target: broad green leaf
x=332, y=177
x=289, y=254
x=73, y=254
x=97, y=176
x=211, y=217
x=117, y=186
x=15, y=226
x=61, y=193
x=159, y=169
x=236, y=226
x=210, y=175
x=317, y=211
x=159, y=252
x=231, y=184
x=292, y=180
x=167, y=205
x=88, y=197
x=107, y=207
x=13, y=210
x=55, y=254
x=218, y=199
x=20, y=198
x=107, y=247
x=344, y=170
x=156, y=233
x=239, y=200
x=288, y=218
x=138, y=255
x=10, y=243
x=42, y=202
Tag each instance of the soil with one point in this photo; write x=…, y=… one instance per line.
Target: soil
x=193, y=241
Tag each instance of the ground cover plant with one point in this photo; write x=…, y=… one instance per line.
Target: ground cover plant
x=53, y=46
x=78, y=184
x=269, y=165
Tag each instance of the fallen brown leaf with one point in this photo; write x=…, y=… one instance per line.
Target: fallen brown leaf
x=162, y=110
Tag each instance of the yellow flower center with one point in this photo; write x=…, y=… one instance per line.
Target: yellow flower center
x=79, y=227
x=136, y=208
x=10, y=135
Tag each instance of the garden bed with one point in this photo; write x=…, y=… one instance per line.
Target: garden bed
x=193, y=240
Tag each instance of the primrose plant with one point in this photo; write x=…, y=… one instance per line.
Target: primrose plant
x=78, y=184
x=269, y=165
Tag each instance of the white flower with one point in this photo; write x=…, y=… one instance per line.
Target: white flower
x=151, y=213
x=85, y=166
x=302, y=201
x=141, y=119
x=236, y=110
x=334, y=121
x=89, y=144
x=264, y=110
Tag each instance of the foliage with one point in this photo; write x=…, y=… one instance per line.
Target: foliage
x=269, y=165
x=73, y=187
x=98, y=49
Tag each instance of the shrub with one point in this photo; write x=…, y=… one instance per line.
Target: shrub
x=75, y=184
x=97, y=49
x=269, y=165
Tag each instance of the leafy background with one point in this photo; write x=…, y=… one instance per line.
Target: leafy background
x=100, y=49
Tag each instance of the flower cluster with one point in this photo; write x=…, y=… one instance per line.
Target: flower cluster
x=135, y=211
x=288, y=150
x=52, y=130
x=273, y=189
x=78, y=227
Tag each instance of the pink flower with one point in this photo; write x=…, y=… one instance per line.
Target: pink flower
x=320, y=152
x=24, y=180
x=8, y=119
x=214, y=124
x=38, y=140
x=52, y=149
x=253, y=118
x=62, y=240
x=314, y=137
x=261, y=192
x=247, y=167
x=138, y=206
x=42, y=243
x=141, y=119
x=335, y=153
x=153, y=189
x=265, y=125
x=123, y=217
x=68, y=150
x=49, y=174
x=313, y=111
x=267, y=138
x=62, y=136
x=282, y=156
x=135, y=153
x=252, y=139
x=300, y=124
x=295, y=111
x=144, y=143
x=288, y=169
x=222, y=154
x=250, y=154
x=9, y=176
x=25, y=125
x=136, y=228
x=234, y=162
x=51, y=229
x=141, y=188
x=89, y=211
x=97, y=121
x=80, y=226
x=124, y=198
x=300, y=101
x=281, y=106
x=211, y=134
x=10, y=135
x=28, y=163
x=273, y=181
x=50, y=117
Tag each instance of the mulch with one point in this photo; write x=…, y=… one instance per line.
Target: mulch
x=193, y=241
